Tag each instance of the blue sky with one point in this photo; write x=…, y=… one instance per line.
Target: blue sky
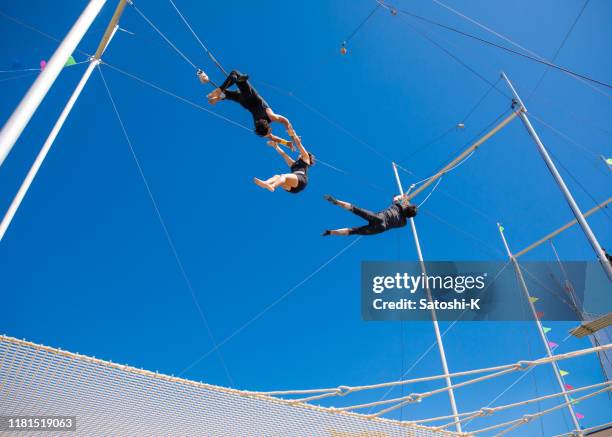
x=86, y=265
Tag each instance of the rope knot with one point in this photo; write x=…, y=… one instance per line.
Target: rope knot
x=487, y=411
x=414, y=397
x=528, y=418
x=524, y=365
x=343, y=390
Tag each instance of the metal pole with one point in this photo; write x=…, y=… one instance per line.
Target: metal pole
x=462, y=155
x=29, y=103
x=110, y=29
x=591, y=211
x=522, y=112
x=549, y=353
x=25, y=185
x=94, y=62
x=434, y=318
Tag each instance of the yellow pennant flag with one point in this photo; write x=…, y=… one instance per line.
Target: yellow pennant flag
x=534, y=299
x=563, y=373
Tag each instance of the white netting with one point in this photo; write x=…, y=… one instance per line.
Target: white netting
x=112, y=399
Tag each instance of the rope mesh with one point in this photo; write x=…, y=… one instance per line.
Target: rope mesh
x=113, y=399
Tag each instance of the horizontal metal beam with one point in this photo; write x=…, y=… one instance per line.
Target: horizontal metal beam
x=563, y=228
x=465, y=153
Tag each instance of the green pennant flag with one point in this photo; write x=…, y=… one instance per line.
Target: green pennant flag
x=534, y=300
x=546, y=330
x=563, y=373
x=574, y=401
x=70, y=61
x=609, y=161
x=501, y=228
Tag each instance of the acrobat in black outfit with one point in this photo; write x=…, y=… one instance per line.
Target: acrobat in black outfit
x=295, y=181
x=393, y=217
x=251, y=100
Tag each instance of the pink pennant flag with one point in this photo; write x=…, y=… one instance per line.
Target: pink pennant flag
x=569, y=387
x=579, y=416
x=552, y=344
x=43, y=64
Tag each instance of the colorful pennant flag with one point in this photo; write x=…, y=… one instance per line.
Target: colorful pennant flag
x=539, y=314
x=563, y=373
x=501, y=228
x=552, y=344
x=609, y=161
x=43, y=64
x=534, y=299
x=574, y=401
x=569, y=387
x=70, y=61
x=546, y=330
x=579, y=416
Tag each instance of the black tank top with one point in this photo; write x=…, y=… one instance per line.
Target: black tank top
x=255, y=104
x=300, y=166
x=393, y=216
x=300, y=169
x=257, y=107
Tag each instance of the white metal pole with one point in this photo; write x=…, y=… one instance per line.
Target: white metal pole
x=434, y=318
x=549, y=353
x=522, y=112
x=25, y=185
x=29, y=103
x=111, y=29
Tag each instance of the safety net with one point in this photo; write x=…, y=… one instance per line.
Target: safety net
x=113, y=399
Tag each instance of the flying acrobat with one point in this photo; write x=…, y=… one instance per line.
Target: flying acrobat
x=295, y=181
x=392, y=217
x=251, y=100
